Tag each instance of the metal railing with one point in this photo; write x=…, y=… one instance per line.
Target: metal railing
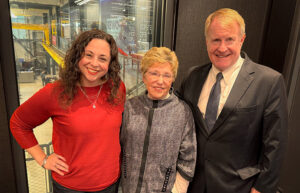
x=131, y=76
x=35, y=173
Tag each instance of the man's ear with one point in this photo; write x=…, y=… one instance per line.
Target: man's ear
x=243, y=39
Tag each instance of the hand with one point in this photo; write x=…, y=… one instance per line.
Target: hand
x=253, y=190
x=57, y=164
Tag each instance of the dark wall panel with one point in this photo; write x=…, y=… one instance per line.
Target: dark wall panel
x=190, y=41
x=290, y=174
x=7, y=177
x=12, y=164
x=7, y=173
x=278, y=34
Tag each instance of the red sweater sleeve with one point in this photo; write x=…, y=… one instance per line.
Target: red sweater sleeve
x=35, y=111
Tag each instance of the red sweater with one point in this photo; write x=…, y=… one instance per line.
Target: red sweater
x=88, y=138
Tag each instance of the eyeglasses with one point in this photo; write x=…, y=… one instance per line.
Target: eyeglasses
x=156, y=75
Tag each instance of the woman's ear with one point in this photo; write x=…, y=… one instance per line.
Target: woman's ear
x=143, y=78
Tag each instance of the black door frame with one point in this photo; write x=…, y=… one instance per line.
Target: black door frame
x=17, y=169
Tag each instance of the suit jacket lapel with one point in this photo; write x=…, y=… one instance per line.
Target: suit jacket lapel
x=198, y=85
x=241, y=84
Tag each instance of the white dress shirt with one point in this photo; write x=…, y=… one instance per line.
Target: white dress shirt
x=229, y=77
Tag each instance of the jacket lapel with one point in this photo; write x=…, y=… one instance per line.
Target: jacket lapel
x=241, y=84
x=201, y=78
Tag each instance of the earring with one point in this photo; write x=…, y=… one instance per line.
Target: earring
x=171, y=89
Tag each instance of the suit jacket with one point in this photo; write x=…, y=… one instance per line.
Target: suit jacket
x=245, y=147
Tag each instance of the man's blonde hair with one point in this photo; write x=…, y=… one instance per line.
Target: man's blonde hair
x=226, y=17
x=159, y=55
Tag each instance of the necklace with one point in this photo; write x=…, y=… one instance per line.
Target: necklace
x=88, y=98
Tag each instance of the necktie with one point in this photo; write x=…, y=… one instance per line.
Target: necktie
x=213, y=103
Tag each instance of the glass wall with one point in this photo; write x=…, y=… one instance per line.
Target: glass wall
x=42, y=33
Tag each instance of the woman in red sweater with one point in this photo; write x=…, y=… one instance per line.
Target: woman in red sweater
x=85, y=106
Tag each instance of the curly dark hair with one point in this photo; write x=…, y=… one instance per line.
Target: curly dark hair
x=70, y=72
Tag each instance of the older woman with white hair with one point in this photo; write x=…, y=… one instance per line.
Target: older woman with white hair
x=158, y=133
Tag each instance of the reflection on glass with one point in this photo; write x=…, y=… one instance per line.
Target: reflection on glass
x=42, y=33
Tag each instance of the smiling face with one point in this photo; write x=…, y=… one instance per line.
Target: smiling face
x=158, y=80
x=94, y=62
x=224, y=43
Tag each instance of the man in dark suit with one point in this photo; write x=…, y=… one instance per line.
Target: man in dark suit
x=240, y=111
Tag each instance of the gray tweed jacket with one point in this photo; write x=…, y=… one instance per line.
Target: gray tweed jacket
x=158, y=139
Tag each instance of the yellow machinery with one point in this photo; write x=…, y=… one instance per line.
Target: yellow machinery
x=37, y=27
x=58, y=58
x=46, y=42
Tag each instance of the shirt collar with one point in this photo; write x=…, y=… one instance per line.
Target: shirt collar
x=227, y=73
x=149, y=102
